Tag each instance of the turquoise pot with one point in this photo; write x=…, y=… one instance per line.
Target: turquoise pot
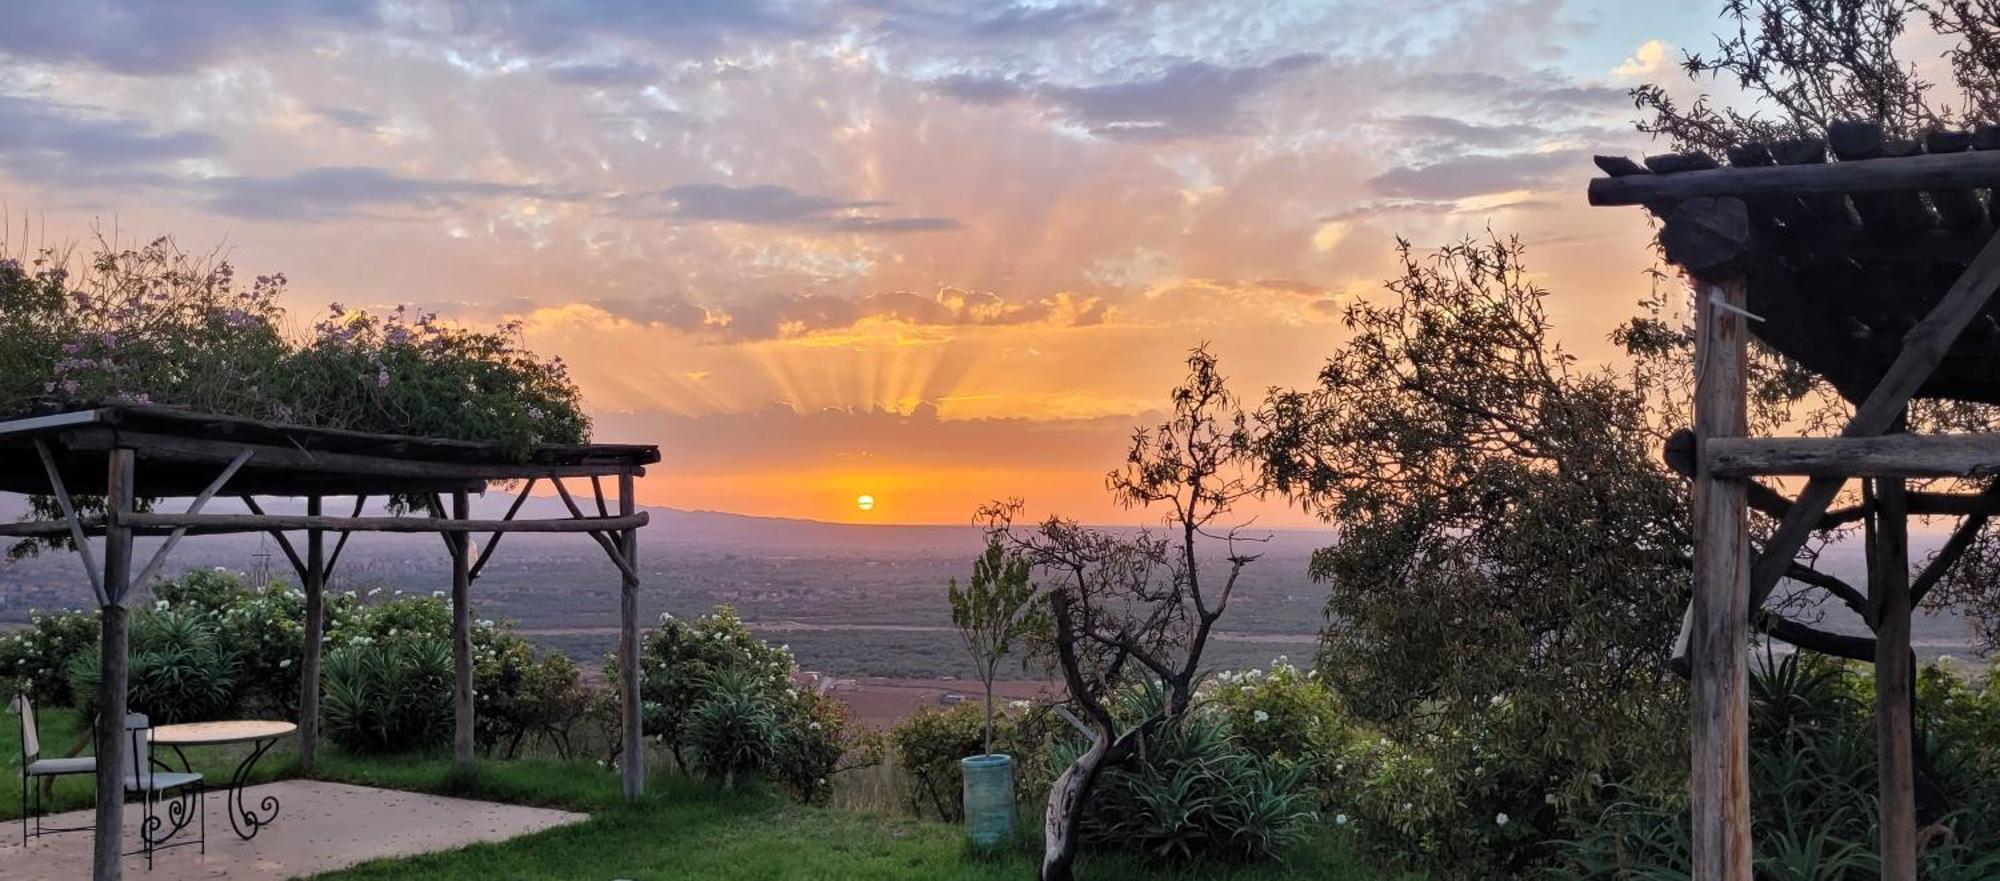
x=989, y=798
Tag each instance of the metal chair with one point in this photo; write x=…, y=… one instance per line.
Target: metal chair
x=35, y=770
x=150, y=779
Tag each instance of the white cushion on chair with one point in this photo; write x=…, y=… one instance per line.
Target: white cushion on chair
x=161, y=781
x=52, y=767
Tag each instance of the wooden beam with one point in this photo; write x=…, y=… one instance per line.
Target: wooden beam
x=1976, y=170
x=71, y=521
x=1889, y=586
x=1721, y=611
x=1896, y=455
x=461, y=634
x=629, y=663
x=194, y=507
x=191, y=449
x=114, y=669
x=315, y=638
x=1924, y=348
x=225, y=523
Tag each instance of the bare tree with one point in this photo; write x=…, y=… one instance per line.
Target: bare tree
x=1126, y=606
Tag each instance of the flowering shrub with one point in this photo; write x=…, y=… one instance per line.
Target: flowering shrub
x=1288, y=716
x=929, y=743
x=687, y=666
x=211, y=646
x=37, y=660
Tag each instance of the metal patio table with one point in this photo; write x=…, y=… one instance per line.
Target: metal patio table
x=261, y=734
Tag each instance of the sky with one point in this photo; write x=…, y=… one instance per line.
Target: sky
x=935, y=253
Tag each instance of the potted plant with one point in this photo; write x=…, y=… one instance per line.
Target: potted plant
x=994, y=609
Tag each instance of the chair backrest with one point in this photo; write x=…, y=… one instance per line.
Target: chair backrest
x=31, y=735
x=138, y=757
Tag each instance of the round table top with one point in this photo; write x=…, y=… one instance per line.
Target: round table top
x=233, y=731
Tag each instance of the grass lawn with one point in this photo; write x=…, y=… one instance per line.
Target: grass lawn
x=684, y=829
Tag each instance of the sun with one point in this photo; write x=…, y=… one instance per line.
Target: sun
x=865, y=503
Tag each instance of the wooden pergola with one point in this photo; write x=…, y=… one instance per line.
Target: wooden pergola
x=1874, y=267
x=123, y=453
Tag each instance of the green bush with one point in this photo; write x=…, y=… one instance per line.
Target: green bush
x=1195, y=790
x=388, y=696
x=682, y=665
x=1289, y=717
x=1813, y=786
x=733, y=730
x=929, y=743
x=38, y=659
x=178, y=671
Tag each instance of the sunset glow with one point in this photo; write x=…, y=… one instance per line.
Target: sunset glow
x=830, y=255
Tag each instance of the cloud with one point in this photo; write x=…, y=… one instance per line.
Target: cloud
x=793, y=314
x=776, y=206
x=622, y=73
x=684, y=26
x=1451, y=130
x=331, y=193
x=1189, y=99
x=1475, y=175
x=146, y=37
x=1542, y=95
x=348, y=117
x=1644, y=61
x=66, y=143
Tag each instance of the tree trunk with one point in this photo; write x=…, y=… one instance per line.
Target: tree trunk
x=1063, y=825
x=989, y=717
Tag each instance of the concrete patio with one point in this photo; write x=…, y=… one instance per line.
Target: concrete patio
x=322, y=827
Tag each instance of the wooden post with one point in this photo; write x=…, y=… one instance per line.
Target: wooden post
x=628, y=646
x=314, y=577
x=114, y=634
x=461, y=632
x=1720, y=633
x=1889, y=587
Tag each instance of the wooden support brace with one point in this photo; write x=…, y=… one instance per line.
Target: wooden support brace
x=493, y=543
x=610, y=548
x=68, y=506
x=284, y=544
x=194, y=507
x=340, y=544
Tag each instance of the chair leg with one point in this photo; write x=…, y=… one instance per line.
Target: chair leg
x=145, y=833
x=201, y=804
x=25, y=781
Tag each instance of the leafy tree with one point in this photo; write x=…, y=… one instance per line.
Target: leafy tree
x=994, y=610
x=1125, y=608
x=1512, y=556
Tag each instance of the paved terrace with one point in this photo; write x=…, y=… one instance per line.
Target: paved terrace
x=322, y=827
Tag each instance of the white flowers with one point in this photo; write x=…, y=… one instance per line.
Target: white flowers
x=1260, y=717
x=159, y=605
x=284, y=663
x=1339, y=819
x=1500, y=819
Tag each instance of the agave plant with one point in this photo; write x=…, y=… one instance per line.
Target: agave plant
x=732, y=731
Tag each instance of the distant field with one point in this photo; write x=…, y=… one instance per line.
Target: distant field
x=850, y=600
